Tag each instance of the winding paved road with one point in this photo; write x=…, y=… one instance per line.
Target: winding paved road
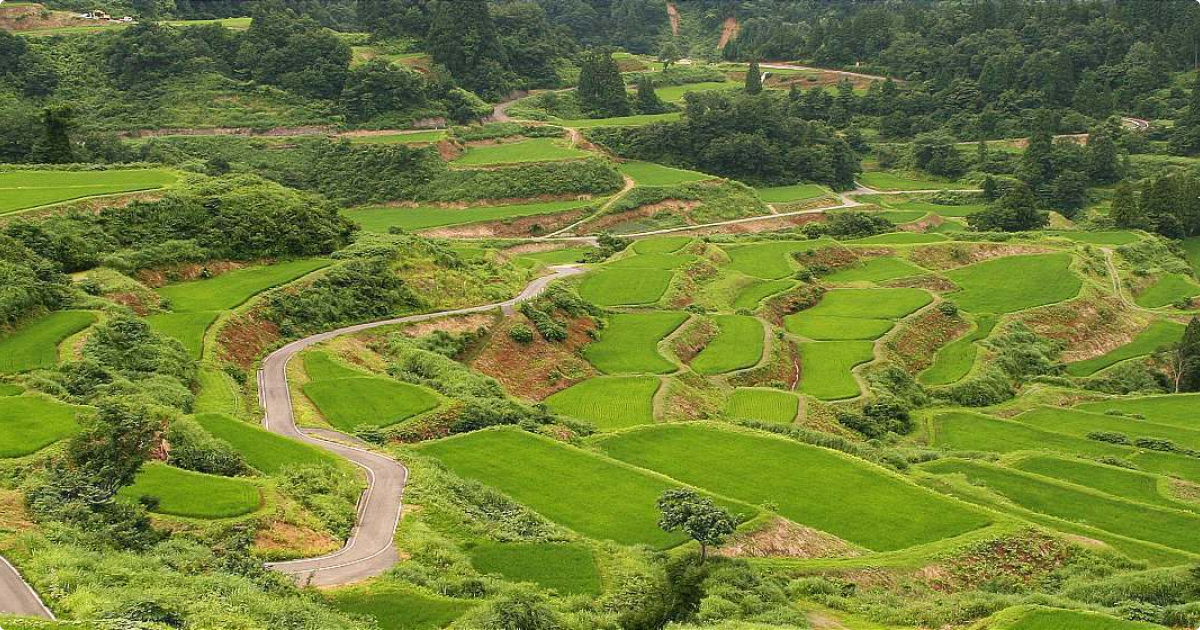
x=370, y=549
x=17, y=597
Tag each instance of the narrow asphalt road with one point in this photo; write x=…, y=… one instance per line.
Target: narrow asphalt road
x=17, y=597
x=370, y=549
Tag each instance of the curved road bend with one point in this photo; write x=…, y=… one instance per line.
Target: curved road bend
x=17, y=597
x=370, y=549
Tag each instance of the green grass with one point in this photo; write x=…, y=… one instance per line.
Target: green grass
x=856, y=314
x=30, y=423
x=791, y=194
x=621, y=121
x=673, y=93
x=192, y=494
x=955, y=359
x=767, y=405
x=900, y=217
x=1079, y=423
x=351, y=403
x=768, y=260
x=419, y=137
x=1153, y=337
x=822, y=328
x=900, y=238
x=624, y=287
x=1191, y=247
x=187, y=327
x=826, y=367
x=1014, y=283
x=35, y=345
x=383, y=219
x=809, y=485
x=661, y=244
x=1112, y=237
x=20, y=190
x=1175, y=409
x=940, y=209
x=609, y=402
x=1073, y=504
x=652, y=261
x=533, y=150
x=320, y=366
x=590, y=494
x=231, y=289
x=262, y=449
x=1038, y=618
x=752, y=294
x=568, y=568
x=628, y=345
x=651, y=174
x=1118, y=482
x=738, y=345
x=218, y=392
x=8, y=389
x=564, y=256
x=1167, y=290
x=394, y=607
x=875, y=269
x=880, y=180
x=964, y=431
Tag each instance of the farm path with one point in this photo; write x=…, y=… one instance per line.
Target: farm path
x=629, y=185
x=1119, y=289
x=845, y=73
x=17, y=597
x=371, y=549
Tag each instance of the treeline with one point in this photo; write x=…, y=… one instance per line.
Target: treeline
x=753, y=138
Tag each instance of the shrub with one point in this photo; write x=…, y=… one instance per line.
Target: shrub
x=329, y=493
x=193, y=448
x=1112, y=437
x=521, y=333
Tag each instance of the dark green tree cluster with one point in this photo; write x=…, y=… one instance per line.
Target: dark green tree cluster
x=648, y=101
x=1059, y=172
x=1185, y=137
x=1188, y=374
x=601, y=89
x=31, y=283
x=1168, y=205
x=703, y=521
x=1017, y=210
x=634, y=25
x=23, y=68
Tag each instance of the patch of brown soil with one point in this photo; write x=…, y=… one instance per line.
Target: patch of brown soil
x=923, y=225
x=93, y=205
x=13, y=517
x=756, y=226
x=604, y=222
x=132, y=300
x=818, y=620
x=532, y=248
x=453, y=325
x=698, y=334
x=523, y=226
x=28, y=17
x=1185, y=490
x=448, y=149
x=243, y=339
x=1026, y=557
x=481, y=203
x=831, y=258
x=953, y=255
x=539, y=368
x=631, y=64
x=673, y=14
x=794, y=301
x=1088, y=327
x=811, y=78
x=781, y=371
x=936, y=284
x=689, y=396
x=916, y=343
x=781, y=538
x=155, y=278
x=729, y=31
x=280, y=536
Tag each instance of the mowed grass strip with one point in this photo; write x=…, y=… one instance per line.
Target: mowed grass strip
x=232, y=288
x=629, y=343
x=383, y=219
x=263, y=450
x=1014, y=283
x=1119, y=482
x=351, y=403
x=876, y=269
x=1178, y=410
x=810, y=485
x=1080, y=423
x=590, y=494
x=20, y=190
x=651, y=174
x=187, y=327
x=1153, y=337
x=661, y=244
x=1038, y=618
x=769, y=260
x=767, y=405
x=609, y=402
x=192, y=494
x=625, y=287
x=30, y=423
x=827, y=366
x=738, y=345
x=1072, y=503
x=217, y=393
x=395, y=607
x=533, y=150
x=1167, y=290
x=954, y=360
x=791, y=194
x=35, y=344
x=754, y=293
x=568, y=568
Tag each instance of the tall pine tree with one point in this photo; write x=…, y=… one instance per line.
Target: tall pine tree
x=601, y=89
x=1102, y=163
x=1124, y=210
x=648, y=101
x=754, y=79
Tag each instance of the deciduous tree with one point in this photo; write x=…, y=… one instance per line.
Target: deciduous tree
x=698, y=517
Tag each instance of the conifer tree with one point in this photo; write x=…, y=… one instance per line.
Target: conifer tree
x=463, y=38
x=1185, y=140
x=1103, y=165
x=601, y=89
x=1124, y=210
x=648, y=101
x=754, y=79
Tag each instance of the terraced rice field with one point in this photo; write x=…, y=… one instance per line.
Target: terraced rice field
x=383, y=219
x=592, y=495
x=808, y=484
x=30, y=423
x=653, y=260
x=568, y=568
x=875, y=269
x=320, y=366
x=651, y=174
x=955, y=359
x=217, y=393
x=927, y=207
x=396, y=607
x=1111, y=237
x=230, y=289
x=1177, y=410
x=625, y=287
x=791, y=194
x=351, y=403
x=900, y=238
x=738, y=345
x=752, y=294
x=34, y=345
x=187, y=328
x=856, y=314
x=533, y=150
x=192, y=494
x=673, y=93
x=609, y=402
x=767, y=405
x=1153, y=337
x=420, y=137
x=21, y=190
x=826, y=367
x=661, y=244
x=263, y=450
x=628, y=344
x=1168, y=290
x=1127, y=484
x=1072, y=503
x=1081, y=423
x=1014, y=283
x=620, y=121
x=563, y=256
x=1037, y=618
x=768, y=260
x=880, y=180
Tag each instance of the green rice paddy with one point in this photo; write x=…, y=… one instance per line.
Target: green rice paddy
x=927, y=207
x=752, y=294
x=826, y=367
x=954, y=360
x=395, y=607
x=1177, y=410
x=30, y=423
x=34, y=345
x=628, y=345
x=653, y=260
x=875, y=269
x=230, y=289
x=791, y=194
x=1014, y=283
x=856, y=314
x=1111, y=237
x=673, y=93
x=192, y=494
x=351, y=403
x=964, y=431
x=625, y=287
x=767, y=405
x=1037, y=618
x=533, y=150
x=263, y=450
x=383, y=219
x=21, y=190
x=661, y=244
x=768, y=260
x=1118, y=482
x=900, y=238
x=1156, y=335
x=1167, y=290
x=823, y=328
x=217, y=393
x=1080, y=423
x=609, y=402
x=568, y=568
x=880, y=180
x=651, y=174
x=564, y=256
x=738, y=345
x=187, y=327
x=621, y=121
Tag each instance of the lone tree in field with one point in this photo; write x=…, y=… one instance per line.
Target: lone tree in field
x=754, y=79
x=696, y=516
